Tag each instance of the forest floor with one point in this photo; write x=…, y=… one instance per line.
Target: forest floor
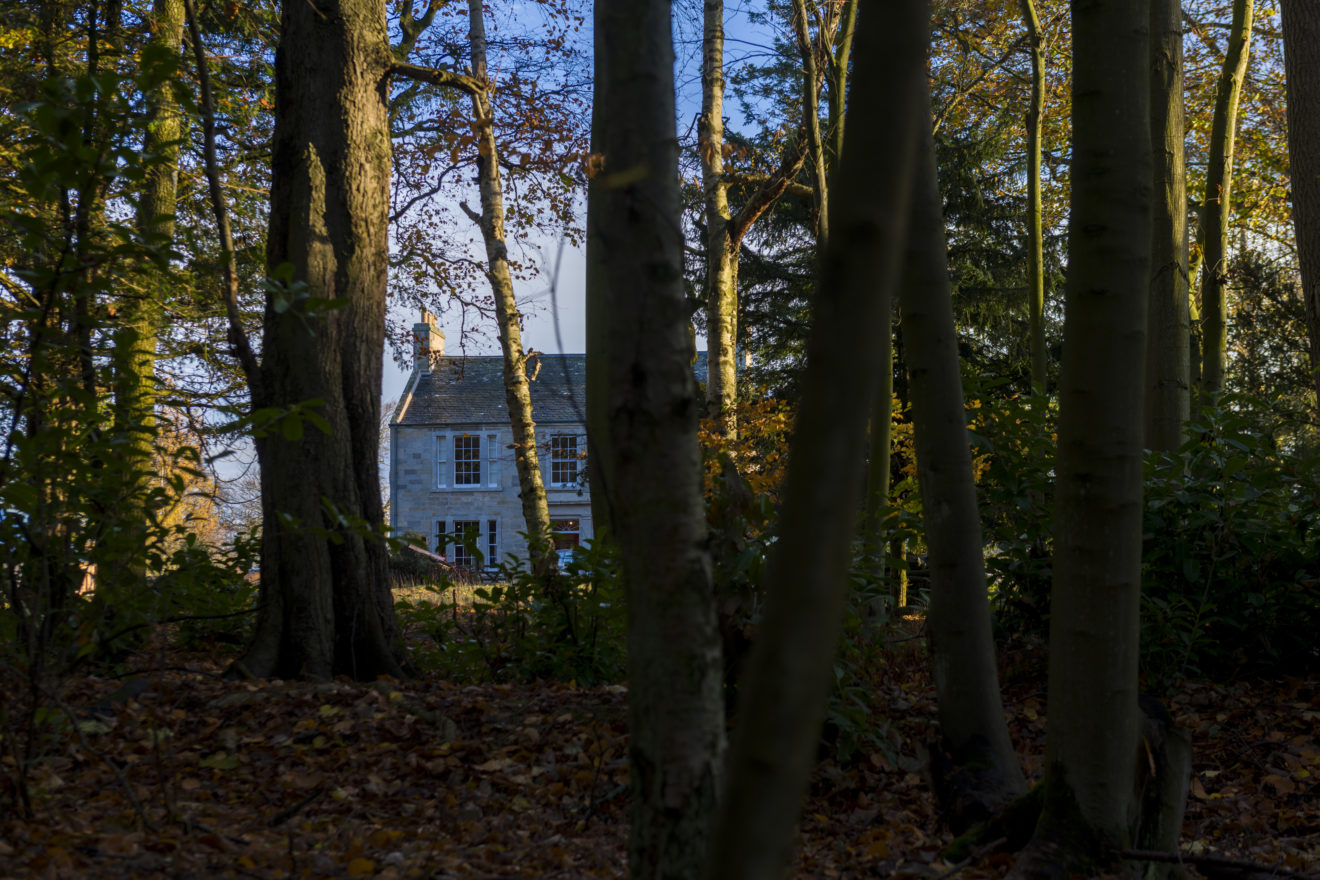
x=176, y=773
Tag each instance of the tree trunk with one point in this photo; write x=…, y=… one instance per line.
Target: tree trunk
x=1215, y=205
x=1301, y=47
x=721, y=251
x=326, y=603
x=785, y=692
x=597, y=379
x=985, y=774
x=1035, y=236
x=137, y=336
x=837, y=81
x=811, y=116
x=1094, y=723
x=676, y=713
x=1168, y=385
x=531, y=488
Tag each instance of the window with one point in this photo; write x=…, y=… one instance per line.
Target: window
x=564, y=460
x=566, y=532
x=467, y=460
x=492, y=543
x=464, y=541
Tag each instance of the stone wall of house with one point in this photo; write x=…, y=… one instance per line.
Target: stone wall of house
x=417, y=503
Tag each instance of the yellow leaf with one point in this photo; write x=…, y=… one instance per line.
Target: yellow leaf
x=361, y=867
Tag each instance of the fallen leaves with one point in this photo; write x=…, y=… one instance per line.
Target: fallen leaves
x=425, y=778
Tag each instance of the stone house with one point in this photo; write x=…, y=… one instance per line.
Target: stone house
x=451, y=459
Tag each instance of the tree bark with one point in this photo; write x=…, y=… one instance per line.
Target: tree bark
x=137, y=336
x=811, y=116
x=837, y=81
x=985, y=774
x=1168, y=385
x=326, y=604
x=1301, y=56
x=785, y=692
x=1035, y=210
x=721, y=250
x=531, y=488
x=1215, y=206
x=1094, y=723
x=676, y=713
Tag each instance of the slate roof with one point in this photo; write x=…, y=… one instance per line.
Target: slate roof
x=470, y=390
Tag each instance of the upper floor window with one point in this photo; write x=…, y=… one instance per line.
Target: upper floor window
x=467, y=460
x=565, y=460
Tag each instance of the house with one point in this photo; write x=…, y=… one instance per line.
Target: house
x=451, y=452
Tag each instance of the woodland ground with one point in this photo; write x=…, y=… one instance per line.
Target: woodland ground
x=185, y=775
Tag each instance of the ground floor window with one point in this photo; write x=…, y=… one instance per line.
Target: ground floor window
x=492, y=543
x=457, y=542
x=567, y=533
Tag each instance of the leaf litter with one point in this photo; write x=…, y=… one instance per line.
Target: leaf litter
x=177, y=773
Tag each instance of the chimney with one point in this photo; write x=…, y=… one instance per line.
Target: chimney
x=428, y=342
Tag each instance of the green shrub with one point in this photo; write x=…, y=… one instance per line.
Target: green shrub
x=1230, y=558
x=522, y=628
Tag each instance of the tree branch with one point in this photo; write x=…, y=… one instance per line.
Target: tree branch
x=238, y=340
x=795, y=155
x=445, y=79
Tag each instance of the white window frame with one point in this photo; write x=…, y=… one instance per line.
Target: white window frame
x=492, y=461
x=475, y=460
x=574, y=461
x=492, y=540
x=442, y=461
x=456, y=545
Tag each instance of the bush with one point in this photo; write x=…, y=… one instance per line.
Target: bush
x=523, y=629
x=1230, y=556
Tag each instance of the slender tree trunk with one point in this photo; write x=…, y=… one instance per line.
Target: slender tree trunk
x=986, y=775
x=811, y=116
x=597, y=380
x=721, y=250
x=1094, y=723
x=1301, y=47
x=837, y=81
x=1168, y=385
x=881, y=434
x=531, y=488
x=1215, y=205
x=137, y=335
x=676, y=712
x=1035, y=210
x=326, y=603
x=785, y=692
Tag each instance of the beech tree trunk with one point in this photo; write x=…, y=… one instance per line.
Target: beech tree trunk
x=326, y=604
x=721, y=250
x=1168, y=385
x=1301, y=55
x=1094, y=722
x=786, y=688
x=1215, y=205
x=676, y=711
x=531, y=488
x=985, y=774
x=1035, y=210
x=138, y=333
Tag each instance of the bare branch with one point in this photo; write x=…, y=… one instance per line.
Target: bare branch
x=445, y=79
x=238, y=340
